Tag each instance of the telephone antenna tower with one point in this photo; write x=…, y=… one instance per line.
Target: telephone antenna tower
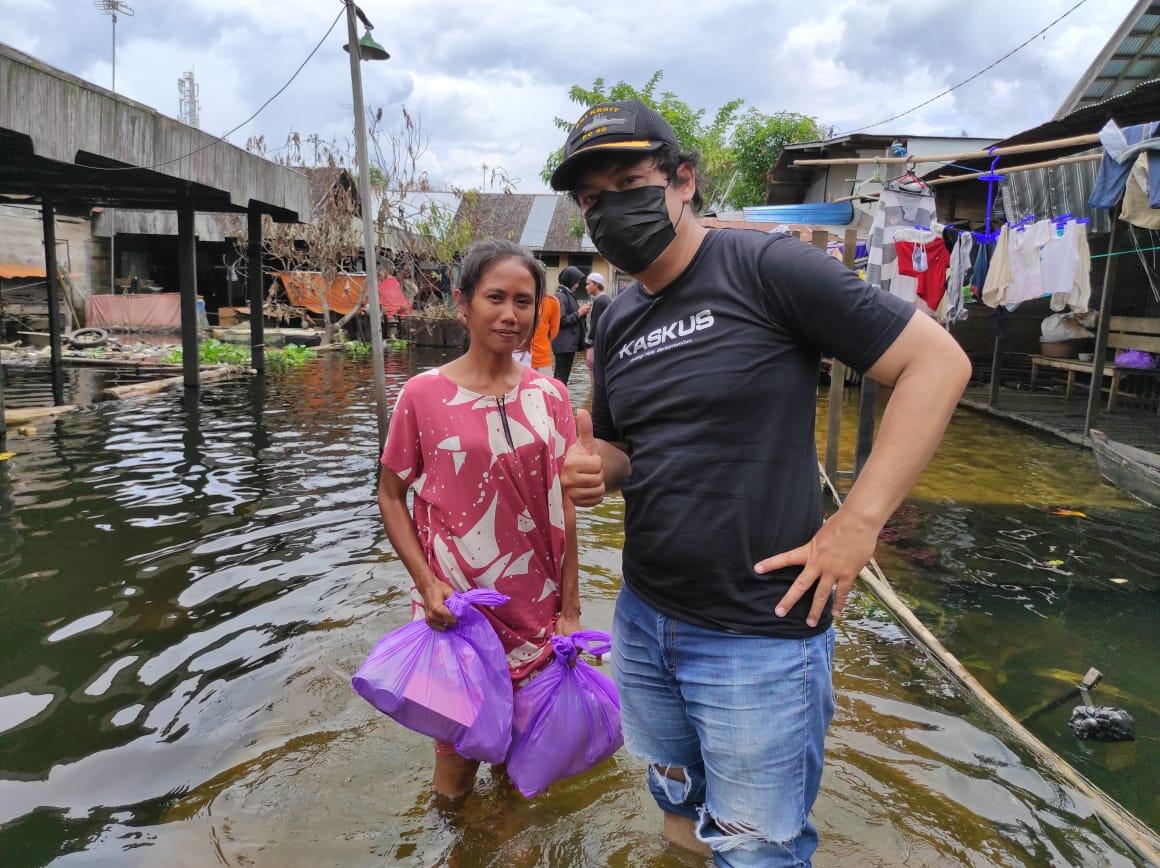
x=190, y=105
x=113, y=8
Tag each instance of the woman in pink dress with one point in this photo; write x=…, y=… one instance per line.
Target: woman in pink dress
x=481, y=442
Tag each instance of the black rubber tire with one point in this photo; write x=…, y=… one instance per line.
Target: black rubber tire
x=87, y=339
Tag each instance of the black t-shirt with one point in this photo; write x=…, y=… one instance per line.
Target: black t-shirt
x=599, y=303
x=711, y=386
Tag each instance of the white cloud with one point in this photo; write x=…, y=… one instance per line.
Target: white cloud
x=487, y=79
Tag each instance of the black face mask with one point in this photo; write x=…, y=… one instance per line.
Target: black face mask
x=631, y=228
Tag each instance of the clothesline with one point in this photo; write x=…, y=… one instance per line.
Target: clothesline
x=1125, y=252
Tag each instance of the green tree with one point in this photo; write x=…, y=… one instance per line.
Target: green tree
x=724, y=166
x=756, y=144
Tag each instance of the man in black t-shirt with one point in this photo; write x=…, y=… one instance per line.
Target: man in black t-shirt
x=704, y=391
x=596, y=307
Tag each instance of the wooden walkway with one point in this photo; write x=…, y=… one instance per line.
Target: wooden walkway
x=1052, y=413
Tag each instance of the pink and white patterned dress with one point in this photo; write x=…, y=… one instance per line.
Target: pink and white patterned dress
x=488, y=504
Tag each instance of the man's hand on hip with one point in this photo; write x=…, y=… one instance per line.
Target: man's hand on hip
x=833, y=558
x=583, y=472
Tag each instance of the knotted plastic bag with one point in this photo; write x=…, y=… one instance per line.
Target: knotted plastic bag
x=1135, y=359
x=567, y=718
x=453, y=686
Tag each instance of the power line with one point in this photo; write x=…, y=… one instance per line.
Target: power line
x=1017, y=48
x=222, y=137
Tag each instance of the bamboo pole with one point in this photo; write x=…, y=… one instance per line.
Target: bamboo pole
x=1099, y=356
x=954, y=179
x=1142, y=840
x=1073, y=141
x=1046, y=164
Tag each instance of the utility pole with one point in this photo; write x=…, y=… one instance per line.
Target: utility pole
x=111, y=8
x=368, y=49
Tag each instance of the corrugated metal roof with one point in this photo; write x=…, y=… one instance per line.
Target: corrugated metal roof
x=1124, y=60
x=808, y=214
x=535, y=230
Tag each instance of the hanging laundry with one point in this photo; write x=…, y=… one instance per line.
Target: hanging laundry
x=958, y=279
x=980, y=268
x=998, y=272
x=1121, y=147
x=904, y=282
x=1136, y=209
x=1077, y=293
x=927, y=264
x=900, y=206
x=1024, y=248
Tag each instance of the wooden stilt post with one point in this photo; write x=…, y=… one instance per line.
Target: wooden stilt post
x=48, y=217
x=866, y=404
x=187, y=283
x=3, y=427
x=996, y=358
x=838, y=378
x=1095, y=393
x=257, y=290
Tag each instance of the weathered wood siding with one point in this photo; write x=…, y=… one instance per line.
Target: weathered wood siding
x=22, y=243
x=63, y=114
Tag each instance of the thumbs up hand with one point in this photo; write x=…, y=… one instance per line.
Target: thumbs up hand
x=583, y=472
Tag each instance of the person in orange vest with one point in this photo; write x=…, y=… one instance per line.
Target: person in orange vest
x=547, y=328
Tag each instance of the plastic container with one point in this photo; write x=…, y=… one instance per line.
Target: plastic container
x=1058, y=349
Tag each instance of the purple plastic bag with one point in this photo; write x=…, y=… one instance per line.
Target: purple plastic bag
x=1135, y=359
x=453, y=686
x=567, y=718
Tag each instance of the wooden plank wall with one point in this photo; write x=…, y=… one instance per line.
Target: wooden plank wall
x=22, y=242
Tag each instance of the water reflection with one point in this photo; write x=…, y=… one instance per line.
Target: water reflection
x=230, y=548
x=1031, y=570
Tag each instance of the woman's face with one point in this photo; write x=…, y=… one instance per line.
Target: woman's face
x=503, y=307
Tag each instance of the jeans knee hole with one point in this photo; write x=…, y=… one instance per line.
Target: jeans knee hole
x=674, y=781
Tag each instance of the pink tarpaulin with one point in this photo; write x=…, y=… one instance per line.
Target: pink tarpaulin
x=392, y=301
x=161, y=310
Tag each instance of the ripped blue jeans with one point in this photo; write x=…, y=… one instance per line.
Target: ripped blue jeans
x=733, y=728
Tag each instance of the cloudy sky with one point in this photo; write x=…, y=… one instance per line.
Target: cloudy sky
x=486, y=84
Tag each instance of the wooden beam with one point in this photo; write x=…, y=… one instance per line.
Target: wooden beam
x=152, y=387
x=257, y=290
x=1105, y=320
x=21, y=415
x=187, y=286
x=1052, y=144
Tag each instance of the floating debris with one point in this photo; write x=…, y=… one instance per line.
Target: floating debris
x=1102, y=723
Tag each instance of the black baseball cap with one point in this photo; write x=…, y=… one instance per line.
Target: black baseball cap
x=621, y=126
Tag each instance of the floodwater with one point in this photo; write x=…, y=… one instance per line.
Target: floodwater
x=186, y=588
x=1031, y=570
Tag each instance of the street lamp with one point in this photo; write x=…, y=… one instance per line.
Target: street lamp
x=367, y=49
